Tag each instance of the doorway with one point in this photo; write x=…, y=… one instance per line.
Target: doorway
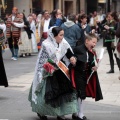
x=37, y=6
x=68, y=7
x=91, y=6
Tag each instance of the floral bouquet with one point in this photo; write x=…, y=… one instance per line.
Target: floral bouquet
x=50, y=67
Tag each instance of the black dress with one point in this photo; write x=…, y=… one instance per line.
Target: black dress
x=59, y=89
x=3, y=78
x=82, y=71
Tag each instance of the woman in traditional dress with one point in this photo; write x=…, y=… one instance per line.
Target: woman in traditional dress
x=25, y=43
x=53, y=94
x=33, y=28
x=3, y=78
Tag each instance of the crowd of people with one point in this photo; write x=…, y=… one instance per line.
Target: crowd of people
x=66, y=57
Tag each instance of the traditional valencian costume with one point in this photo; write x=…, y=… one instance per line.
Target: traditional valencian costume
x=13, y=34
x=52, y=94
x=83, y=69
x=3, y=77
x=80, y=74
x=33, y=35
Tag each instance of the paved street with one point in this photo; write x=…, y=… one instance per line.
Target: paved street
x=14, y=103
x=22, y=66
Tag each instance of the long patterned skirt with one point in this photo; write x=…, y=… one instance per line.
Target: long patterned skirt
x=60, y=102
x=3, y=77
x=26, y=44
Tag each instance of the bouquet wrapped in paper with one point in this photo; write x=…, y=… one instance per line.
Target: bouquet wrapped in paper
x=98, y=60
x=50, y=67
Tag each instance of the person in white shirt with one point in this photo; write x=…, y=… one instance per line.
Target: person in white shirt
x=44, y=26
x=33, y=28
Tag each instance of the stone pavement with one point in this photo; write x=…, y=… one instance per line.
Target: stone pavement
x=22, y=83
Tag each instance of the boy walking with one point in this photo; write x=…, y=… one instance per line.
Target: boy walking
x=86, y=63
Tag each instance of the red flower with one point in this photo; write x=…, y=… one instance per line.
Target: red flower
x=49, y=68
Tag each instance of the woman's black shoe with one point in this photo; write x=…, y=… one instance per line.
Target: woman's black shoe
x=21, y=55
x=59, y=118
x=42, y=117
x=29, y=54
x=84, y=118
x=74, y=116
x=111, y=71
